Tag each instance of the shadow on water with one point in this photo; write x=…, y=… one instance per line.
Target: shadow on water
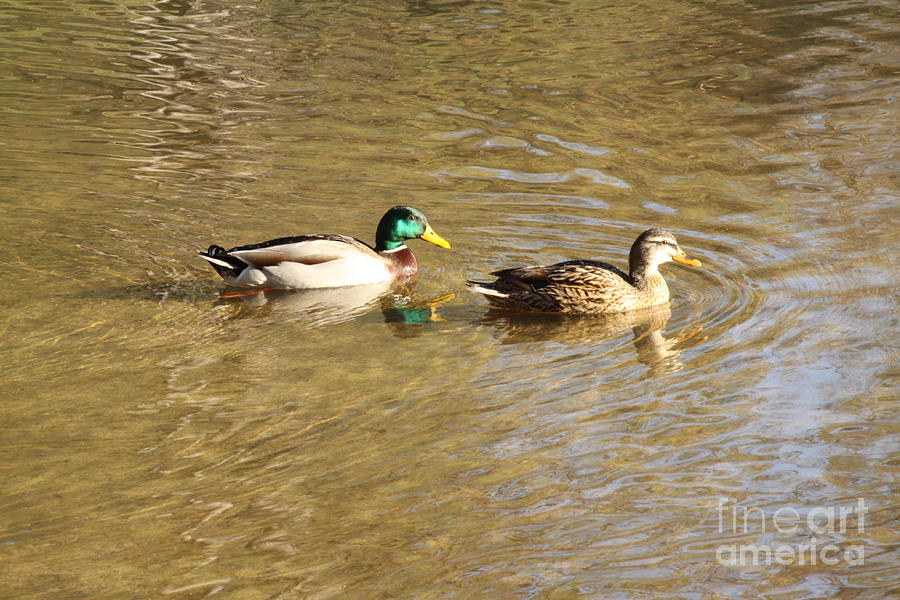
x=654, y=349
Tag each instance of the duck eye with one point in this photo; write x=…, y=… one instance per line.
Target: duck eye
x=412, y=217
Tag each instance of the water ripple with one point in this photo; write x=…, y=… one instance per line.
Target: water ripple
x=477, y=172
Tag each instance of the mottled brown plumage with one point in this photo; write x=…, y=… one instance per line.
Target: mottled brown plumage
x=584, y=286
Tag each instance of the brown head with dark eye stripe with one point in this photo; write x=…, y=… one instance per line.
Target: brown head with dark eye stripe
x=656, y=246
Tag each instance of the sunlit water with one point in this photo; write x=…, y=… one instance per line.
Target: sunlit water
x=159, y=441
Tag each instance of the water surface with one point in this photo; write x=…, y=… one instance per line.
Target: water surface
x=162, y=442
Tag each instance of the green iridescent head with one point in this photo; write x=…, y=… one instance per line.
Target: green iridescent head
x=403, y=223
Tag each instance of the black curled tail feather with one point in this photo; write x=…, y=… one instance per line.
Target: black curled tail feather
x=222, y=262
x=216, y=251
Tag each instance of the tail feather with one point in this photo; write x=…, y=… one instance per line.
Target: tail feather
x=485, y=289
x=224, y=263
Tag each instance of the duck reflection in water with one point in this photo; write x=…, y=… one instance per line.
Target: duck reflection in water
x=336, y=305
x=658, y=352
x=406, y=315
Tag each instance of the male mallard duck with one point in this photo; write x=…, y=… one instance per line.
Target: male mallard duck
x=323, y=261
x=586, y=286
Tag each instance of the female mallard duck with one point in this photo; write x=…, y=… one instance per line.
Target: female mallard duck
x=586, y=286
x=323, y=261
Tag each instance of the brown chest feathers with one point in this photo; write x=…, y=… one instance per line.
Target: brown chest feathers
x=401, y=261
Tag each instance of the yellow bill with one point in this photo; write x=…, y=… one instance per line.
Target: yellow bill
x=682, y=258
x=432, y=237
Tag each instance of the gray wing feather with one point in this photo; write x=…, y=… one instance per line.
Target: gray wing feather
x=306, y=249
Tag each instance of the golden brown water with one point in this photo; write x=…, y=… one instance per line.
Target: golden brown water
x=160, y=443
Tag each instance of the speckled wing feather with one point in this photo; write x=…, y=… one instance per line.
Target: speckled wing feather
x=572, y=286
x=585, y=285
